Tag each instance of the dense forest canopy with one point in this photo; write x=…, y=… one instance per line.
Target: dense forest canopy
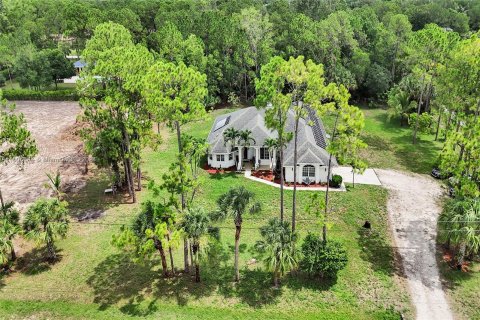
x=363, y=44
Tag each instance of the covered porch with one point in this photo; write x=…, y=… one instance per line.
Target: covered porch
x=256, y=157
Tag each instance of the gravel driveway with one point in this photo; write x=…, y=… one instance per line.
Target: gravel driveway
x=413, y=209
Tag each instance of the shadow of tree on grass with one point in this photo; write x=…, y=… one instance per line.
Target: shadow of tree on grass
x=221, y=176
x=91, y=202
x=376, y=250
x=35, y=261
x=136, y=287
x=301, y=280
x=118, y=279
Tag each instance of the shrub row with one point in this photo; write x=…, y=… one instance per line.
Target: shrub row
x=53, y=95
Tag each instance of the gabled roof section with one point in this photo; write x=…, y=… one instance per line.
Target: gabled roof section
x=312, y=139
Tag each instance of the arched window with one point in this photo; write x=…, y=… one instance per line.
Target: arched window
x=308, y=171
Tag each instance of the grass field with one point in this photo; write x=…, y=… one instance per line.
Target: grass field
x=95, y=280
x=390, y=145
x=61, y=86
x=463, y=290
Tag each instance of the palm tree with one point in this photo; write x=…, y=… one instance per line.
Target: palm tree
x=196, y=224
x=45, y=221
x=8, y=231
x=9, y=218
x=154, y=224
x=271, y=144
x=54, y=183
x=278, y=248
x=401, y=104
x=231, y=135
x=460, y=225
x=246, y=139
x=235, y=203
x=5, y=249
x=194, y=148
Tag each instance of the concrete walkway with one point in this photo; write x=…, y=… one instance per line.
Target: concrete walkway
x=369, y=176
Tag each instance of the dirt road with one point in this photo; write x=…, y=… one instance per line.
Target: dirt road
x=51, y=124
x=413, y=209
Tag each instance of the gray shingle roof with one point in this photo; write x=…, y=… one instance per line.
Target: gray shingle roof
x=312, y=139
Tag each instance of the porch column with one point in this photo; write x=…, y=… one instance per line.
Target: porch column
x=257, y=157
x=273, y=161
x=240, y=158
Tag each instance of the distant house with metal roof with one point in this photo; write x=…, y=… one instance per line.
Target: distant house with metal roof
x=312, y=140
x=79, y=65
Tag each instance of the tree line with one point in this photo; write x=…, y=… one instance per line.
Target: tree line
x=360, y=43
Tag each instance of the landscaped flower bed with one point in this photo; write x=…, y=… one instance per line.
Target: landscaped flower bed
x=268, y=176
x=211, y=170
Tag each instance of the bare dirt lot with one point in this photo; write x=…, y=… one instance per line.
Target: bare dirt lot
x=60, y=149
x=413, y=208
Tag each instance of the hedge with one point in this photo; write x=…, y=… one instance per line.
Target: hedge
x=52, y=95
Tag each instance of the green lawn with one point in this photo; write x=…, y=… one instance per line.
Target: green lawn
x=462, y=289
x=95, y=280
x=390, y=145
x=61, y=86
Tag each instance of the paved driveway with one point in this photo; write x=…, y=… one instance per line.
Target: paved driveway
x=367, y=177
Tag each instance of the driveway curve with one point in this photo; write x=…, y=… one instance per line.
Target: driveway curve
x=413, y=208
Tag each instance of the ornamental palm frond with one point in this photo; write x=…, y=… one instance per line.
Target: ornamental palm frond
x=196, y=224
x=46, y=221
x=9, y=226
x=246, y=139
x=271, y=144
x=8, y=212
x=193, y=149
x=460, y=225
x=278, y=248
x=8, y=231
x=55, y=183
x=6, y=247
x=231, y=135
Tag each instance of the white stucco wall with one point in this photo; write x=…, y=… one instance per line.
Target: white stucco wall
x=264, y=162
x=221, y=164
x=320, y=173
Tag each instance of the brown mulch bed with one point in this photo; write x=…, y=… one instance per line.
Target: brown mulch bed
x=211, y=170
x=449, y=258
x=268, y=176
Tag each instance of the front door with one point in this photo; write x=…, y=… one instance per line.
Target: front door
x=245, y=153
